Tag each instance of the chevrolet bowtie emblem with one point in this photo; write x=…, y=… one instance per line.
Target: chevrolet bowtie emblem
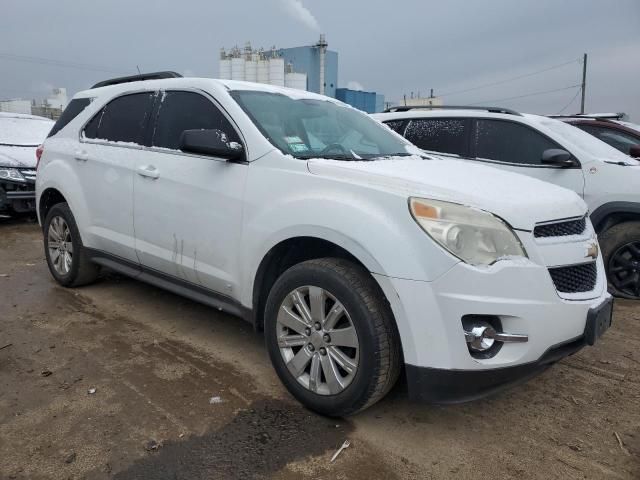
x=592, y=250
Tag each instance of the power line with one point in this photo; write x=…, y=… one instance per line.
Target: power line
x=526, y=95
x=61, y=63
x=500, y=82
x=572, y=100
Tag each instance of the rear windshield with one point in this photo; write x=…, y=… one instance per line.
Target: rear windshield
x=74, y=108
x=23, y=131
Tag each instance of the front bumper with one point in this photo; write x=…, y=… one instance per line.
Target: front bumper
x=520, y=292
x=440, y=386
x=17, y=197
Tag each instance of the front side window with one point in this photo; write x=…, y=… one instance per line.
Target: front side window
x=124, y=119
x=446, y=135
x=313, y=128
x=510, y=142
x=180, y=111
x=395, y=125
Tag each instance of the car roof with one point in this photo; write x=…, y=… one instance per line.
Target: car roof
x=611, y=123
x=195, y=82
x=454, y=113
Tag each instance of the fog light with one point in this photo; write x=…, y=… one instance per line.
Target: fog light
x=481, y=337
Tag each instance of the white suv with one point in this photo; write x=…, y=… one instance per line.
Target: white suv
x=355, y=253
x=550, y=150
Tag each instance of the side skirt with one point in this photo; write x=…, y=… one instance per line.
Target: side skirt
x=175, y=285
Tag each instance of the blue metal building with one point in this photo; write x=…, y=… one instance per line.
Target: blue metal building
x=369, y=102
x=307, y=60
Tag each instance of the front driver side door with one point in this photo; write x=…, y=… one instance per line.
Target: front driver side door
x=518, y=148
x=188, y=207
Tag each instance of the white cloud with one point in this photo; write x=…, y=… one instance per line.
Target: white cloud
x=353, y=85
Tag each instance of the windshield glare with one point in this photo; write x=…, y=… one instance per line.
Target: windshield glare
x=310, y=128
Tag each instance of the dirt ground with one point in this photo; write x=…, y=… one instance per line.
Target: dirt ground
x=185, y=392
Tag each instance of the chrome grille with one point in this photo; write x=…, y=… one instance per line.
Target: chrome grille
x=561, y=229
x=576, y=278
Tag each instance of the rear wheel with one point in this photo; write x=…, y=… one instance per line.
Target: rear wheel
x=66, y=256
x=621, y=253
x=331, y=336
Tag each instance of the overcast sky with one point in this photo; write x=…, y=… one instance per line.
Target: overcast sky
x=393, y=47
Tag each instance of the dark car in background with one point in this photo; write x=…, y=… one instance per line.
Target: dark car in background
x=610, y=128
x=20, y=136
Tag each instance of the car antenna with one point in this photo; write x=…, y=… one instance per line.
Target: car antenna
x=139, y=73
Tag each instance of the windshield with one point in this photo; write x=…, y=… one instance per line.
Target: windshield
x=23, y=132
x=311, y=128
x=585, y=141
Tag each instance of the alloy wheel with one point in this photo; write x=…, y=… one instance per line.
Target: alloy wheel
x=317, y=340
x=60, y=245
x=624, y=269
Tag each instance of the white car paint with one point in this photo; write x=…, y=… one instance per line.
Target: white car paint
x=605, y=175
x=212, y=222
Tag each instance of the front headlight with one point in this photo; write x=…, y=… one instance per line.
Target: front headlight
x=474, y=236
x=11, y=174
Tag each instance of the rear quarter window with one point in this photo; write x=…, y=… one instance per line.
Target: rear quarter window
x=75, y=107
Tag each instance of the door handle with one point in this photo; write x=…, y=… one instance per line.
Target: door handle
x=81, y=155
x=148, y=171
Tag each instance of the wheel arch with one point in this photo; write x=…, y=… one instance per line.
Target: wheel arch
x=49, y=197
x=289, y=252
x=614, y=213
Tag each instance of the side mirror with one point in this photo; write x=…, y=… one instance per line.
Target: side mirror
x=210, y=142
x=634, y=151
x=557, y=157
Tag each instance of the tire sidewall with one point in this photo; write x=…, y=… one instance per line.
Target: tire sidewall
x=611, y=241
x=62, y=210
x=359, y=390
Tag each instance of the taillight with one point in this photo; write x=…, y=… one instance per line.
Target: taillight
x=39, y=151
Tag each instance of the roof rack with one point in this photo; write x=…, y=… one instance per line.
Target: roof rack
x=405, y=108
x=595, y=116
x=137, y=78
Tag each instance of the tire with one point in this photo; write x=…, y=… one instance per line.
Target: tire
x=79, y=270
x=377, y=355
x=621, y=254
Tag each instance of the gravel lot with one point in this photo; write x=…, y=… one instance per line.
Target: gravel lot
x=185, y=392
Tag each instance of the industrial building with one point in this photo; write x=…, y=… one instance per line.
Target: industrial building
x=313, y=68
x=52, y=107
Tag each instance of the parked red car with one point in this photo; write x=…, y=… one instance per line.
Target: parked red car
x=610, y=128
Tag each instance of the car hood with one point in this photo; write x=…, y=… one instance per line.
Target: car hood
x=519, y=200
x=18, y=157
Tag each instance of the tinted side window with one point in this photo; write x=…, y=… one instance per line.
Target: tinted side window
x=122, y=120
x=180, y=111
x=510, y=142
x=619, y=140
x=74, y=108
x=447, y=135
x=394, y=125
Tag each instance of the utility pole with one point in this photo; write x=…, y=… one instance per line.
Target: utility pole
x=584, y=81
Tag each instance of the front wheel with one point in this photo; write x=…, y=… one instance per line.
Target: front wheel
x=621, y=254
x=331, y=336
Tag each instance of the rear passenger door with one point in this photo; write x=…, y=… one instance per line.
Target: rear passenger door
x=111, y=144
x=445, y=135
x=518, y=148
x=188, y=207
